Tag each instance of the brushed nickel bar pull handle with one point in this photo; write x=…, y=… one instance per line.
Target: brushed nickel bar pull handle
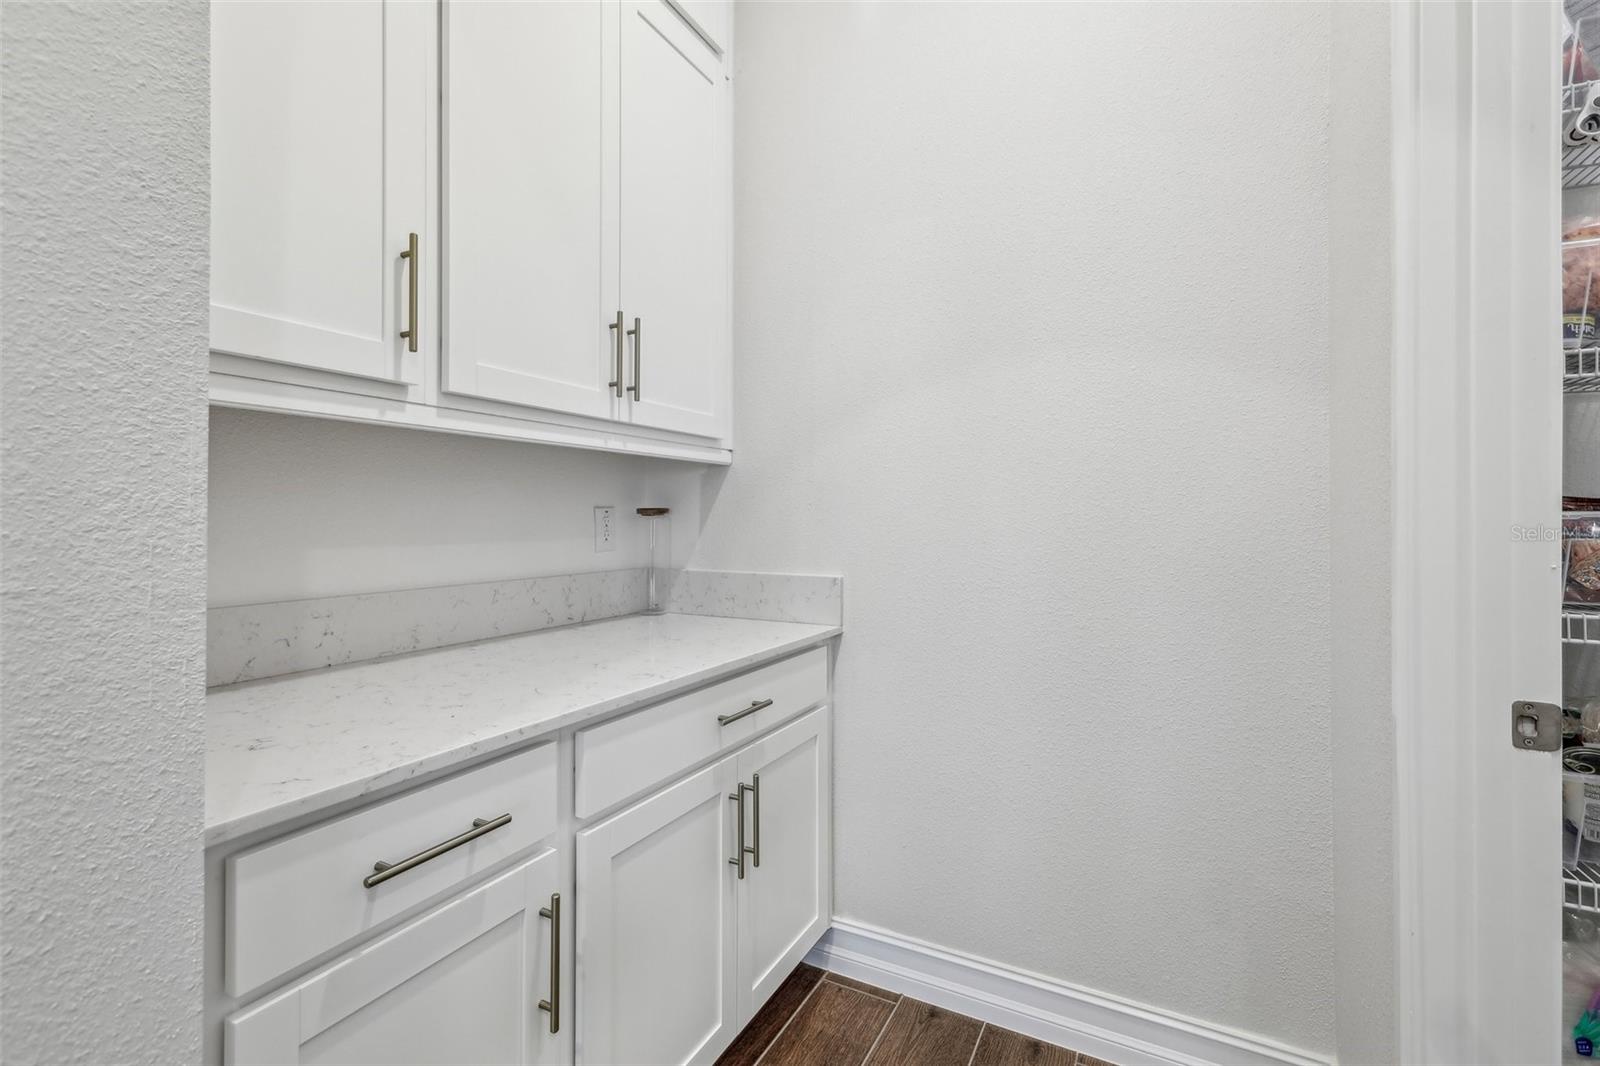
x=738, y=859
x=382, y=871
x=638, y=342
x=616, y=331
x=755, y=790
x=758, y=705
x=553, y=1004
x=410, y=332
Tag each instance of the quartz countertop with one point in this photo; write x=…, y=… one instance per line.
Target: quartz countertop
x=286, y=747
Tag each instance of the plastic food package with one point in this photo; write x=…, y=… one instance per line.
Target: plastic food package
x=1575, y=65
x=1580, y=266
x=1580, y=38
x=1580, y=964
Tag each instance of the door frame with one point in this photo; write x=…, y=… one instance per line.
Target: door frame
x=1477, y=458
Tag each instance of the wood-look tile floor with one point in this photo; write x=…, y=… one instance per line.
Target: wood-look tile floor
x=821, y=1019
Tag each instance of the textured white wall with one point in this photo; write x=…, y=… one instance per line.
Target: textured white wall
x=1030, y=313
x=301, y=507
x=1359, y=323
x=103, y=147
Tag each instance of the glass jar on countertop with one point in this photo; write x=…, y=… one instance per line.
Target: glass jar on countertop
x=658, y=577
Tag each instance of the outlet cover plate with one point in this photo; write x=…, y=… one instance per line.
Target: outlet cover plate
x=605, y=529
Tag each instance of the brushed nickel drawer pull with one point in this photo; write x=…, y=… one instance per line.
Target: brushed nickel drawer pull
x=616, y=331
x=637, y=334
x=741, y=850
x=382, y=871
x=755, y=791
x=553, y=1004
x=758, y=705
x=410, y=332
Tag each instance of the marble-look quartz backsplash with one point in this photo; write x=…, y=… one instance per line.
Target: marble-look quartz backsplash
x=267, y=639
x=812, y=598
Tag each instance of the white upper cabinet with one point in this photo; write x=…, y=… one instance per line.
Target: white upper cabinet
x=586, y=185
x=566, y=169
x=675, y=210
x=529, y=224
x=319, y=124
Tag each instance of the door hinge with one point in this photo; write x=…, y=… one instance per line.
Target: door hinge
x=1535, y=726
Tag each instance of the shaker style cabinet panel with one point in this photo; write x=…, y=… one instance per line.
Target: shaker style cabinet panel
x=566, y=171
x=319, y=175
x=783, y=901
x=679, y=941
x=655, y=933
x=294, y=898
x=675, y=218
x=529, y=277
x=460, y=984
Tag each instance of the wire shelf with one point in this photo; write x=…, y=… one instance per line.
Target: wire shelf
x=1580, y=627
x=1573, y=95
x=1580, y=166
x=1583, y=370
x=1581, y=884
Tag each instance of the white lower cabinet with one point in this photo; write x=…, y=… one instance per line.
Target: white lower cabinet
x=680, y=938
x=461, y=984
x=655, y=941
x=783, y=901
x=691, y=873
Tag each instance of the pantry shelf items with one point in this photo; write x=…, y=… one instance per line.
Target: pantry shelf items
x=1580, y=111
x=1580, y=134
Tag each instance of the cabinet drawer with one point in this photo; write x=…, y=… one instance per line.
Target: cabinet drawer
x=288, y=901
x=622, y=757
x=460, y=984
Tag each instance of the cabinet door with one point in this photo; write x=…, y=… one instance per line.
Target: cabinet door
x=458, y=985
x=318, y=175
x=675, y=197
x=784, y=902
x=529, y=277
x=655, y=945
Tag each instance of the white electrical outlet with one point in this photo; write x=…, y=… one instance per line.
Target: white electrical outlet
x=605, y=529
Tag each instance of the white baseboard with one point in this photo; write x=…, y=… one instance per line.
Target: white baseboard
x=1091, y=1022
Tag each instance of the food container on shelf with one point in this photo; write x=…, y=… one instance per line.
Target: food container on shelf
x=1580, y=550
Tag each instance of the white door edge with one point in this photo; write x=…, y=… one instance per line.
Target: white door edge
x=1477, y=452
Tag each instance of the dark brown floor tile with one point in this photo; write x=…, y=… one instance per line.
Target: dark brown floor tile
x=769, y=1020
x=1090, y=1060
x=920, y=1034
x=862, y=986
x=1002, y=1047
x=836, y=1027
